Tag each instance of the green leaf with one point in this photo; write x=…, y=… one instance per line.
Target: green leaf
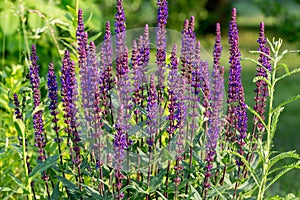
x=249, y=108
x=275, y=118
x=5, y=189
x=161, y=195
x=196, y=196
x=55, y=193
x=294, y=98
x=166, y=155
x=20, y=127
x=286, y=68
x=273, y=180
x=9, y=22
x=44, y=165
x=260, y=52
x=293, y=165
x=284, y=155
x=67, y=183
x=94, y=37
x=92, y=192
x=249, y=167
x=135, y=128
x=218, y=191
x=285, y=75
x=17, y=181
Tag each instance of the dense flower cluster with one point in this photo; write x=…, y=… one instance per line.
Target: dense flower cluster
x=38, y=123
x=176, y=123
x=261, y=86
x=161, y=41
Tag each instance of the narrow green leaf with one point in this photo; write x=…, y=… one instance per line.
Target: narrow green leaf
x=5, y=189
x=276, y=113
x=249, y=167
x=43, y=166
x=20, y=127
x=294, y=98
x=135, y=128
x=162, y=196
x=95, y=37
x=196, y=196
x=218, y=191
x=260, y=52
x=285, y=75
x=281, y=156
x=55, y=193
x=17, y=181
x=273, y=180
x=295, y=165
x=257, y=115
x=67, y=183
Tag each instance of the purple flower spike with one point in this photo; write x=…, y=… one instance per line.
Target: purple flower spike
x=196, y=71
x=18, y=113
x=161, y=41
x=205, y=86
x=145, y=53
x=137, y=77
x=261, y=86
x=152, y=112
x=120, y=146
x=69, y=97
x=236, y=114
x=184, y=48
x=53, y=96
x=172, y=91
x=121, y=49
x=38, y=123
x=162, y=16
x=216, y=104
x=218, y=47
x=107, y=81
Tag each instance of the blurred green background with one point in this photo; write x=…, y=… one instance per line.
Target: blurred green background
x=51, y=25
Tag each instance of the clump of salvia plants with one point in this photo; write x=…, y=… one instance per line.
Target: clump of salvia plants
x=111, y=127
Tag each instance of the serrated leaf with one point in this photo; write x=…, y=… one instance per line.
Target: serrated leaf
x=275, y=118
x=281, y=156
x=196, y=195
x=285, y=75
x=55, y=193
x=273, y=180
x=44, y=165
x=263, y=53
x=294, y=98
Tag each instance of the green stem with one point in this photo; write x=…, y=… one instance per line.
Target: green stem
x=267, y=148
x=28, y=187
